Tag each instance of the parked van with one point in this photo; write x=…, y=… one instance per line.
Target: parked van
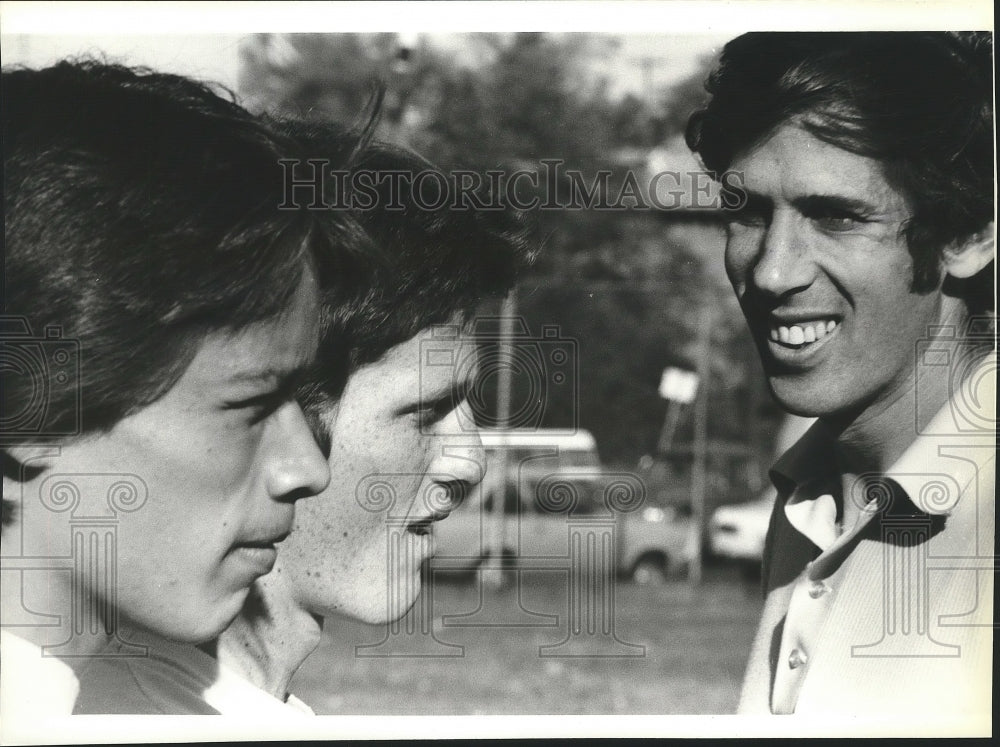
x=548, y=481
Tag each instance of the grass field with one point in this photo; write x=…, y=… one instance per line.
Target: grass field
x=695, y=642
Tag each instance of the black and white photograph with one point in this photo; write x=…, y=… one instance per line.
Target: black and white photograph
x=497, y=370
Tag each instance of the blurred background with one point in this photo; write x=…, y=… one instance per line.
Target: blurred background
x=642, y=296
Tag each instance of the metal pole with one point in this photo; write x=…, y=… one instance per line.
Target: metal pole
x=670, y=419
x=493, y=576
x=699, y=469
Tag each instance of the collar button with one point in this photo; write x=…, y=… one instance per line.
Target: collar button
x=819, y=589
x=796, y=659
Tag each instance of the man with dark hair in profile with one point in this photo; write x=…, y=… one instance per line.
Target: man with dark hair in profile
x=400, y=438
x=862, y=254
x=152, y=464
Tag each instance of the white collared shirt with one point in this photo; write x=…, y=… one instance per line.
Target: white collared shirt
x=174, y=679
x=233, y=695
x=33, y=687
x=829, y=587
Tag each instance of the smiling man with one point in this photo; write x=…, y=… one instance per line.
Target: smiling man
x=862, y=256
x=161, y=309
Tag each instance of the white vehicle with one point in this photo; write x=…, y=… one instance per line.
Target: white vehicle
x=547, y=481
x=738, y=531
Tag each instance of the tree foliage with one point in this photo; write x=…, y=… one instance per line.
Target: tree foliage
x=625, y=286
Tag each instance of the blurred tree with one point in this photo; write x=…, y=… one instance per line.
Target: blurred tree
x=332, y=76
x=677, y=101
x=625, y=286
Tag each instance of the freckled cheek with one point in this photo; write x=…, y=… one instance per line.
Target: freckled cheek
x=339, y=533
x=404, y=448
x=373, y=538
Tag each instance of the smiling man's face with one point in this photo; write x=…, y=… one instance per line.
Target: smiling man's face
x=822, y=270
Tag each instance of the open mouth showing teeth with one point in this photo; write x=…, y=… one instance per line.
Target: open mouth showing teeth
x=802, y=334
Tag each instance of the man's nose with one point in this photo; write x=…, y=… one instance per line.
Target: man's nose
x=463, y=458
x=461, y=446
x=459, y=468
x=784, y=263
x=296, y=467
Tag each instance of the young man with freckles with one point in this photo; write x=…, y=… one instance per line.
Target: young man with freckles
x=862, y=255
x=398, y=433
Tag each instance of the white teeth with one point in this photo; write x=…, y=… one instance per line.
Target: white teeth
x=801, y=334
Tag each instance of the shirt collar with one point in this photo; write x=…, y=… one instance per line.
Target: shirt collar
x=807, y=475
x=221, y=687
x=945, y=456
x=929, y=473
x=808, y=459
x=231, y=694
x=35, y=686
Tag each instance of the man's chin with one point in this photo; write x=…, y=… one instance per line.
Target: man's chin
x=195, y=628
x=382, y=611
x=800, y=397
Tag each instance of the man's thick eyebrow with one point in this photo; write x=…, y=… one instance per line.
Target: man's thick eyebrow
x=754, y=201
x=834, y=202
x=279, y=377
x=455, y=393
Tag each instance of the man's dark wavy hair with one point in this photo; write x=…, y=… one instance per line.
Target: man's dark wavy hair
x=922, y=103
x=428, y=265
x=141, y=212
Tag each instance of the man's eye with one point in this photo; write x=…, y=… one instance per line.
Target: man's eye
x=836, y=221
x=259, y=407
x=433, y=412
x=837, y=224
x=746, y=216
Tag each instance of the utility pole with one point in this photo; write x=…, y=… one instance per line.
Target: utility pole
x=493, y=575
x=678, y=388
x=699, y=469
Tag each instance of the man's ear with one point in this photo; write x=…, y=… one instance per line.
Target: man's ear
x=16, y=468
x=964, y=259
x=12, y=470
